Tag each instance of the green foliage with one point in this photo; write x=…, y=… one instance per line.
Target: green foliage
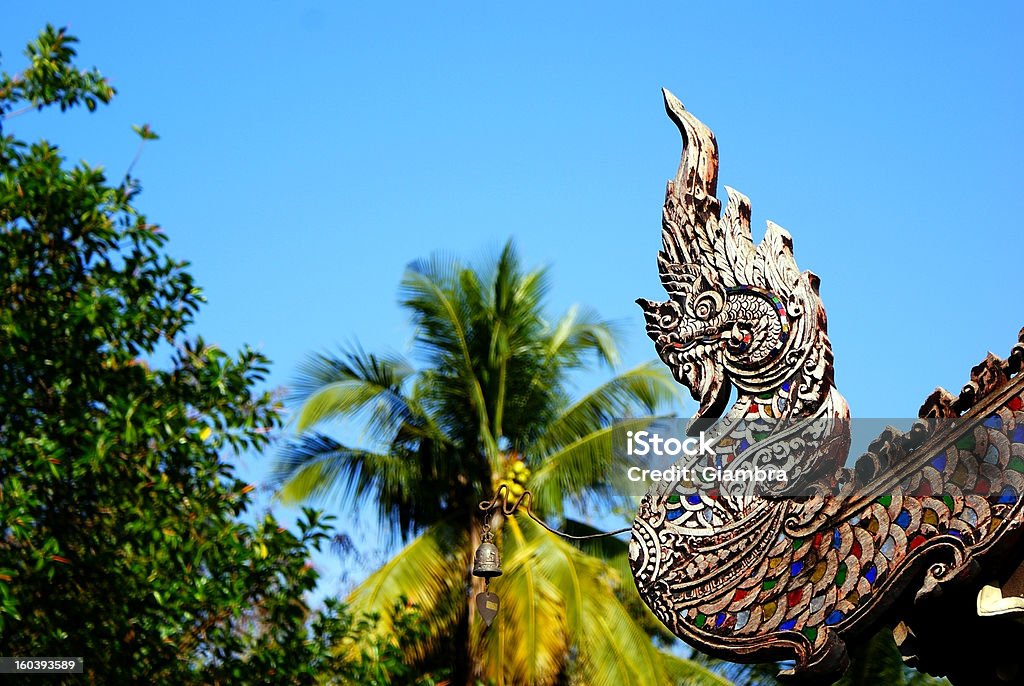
x=51, y=78
x=145, y=132
x=120, y=537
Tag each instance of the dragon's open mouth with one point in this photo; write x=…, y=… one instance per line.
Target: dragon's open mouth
x=709, y=387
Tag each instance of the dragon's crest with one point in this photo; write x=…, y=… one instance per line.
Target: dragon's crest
x=738, y=314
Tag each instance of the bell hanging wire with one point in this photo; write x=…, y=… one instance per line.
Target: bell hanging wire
x=509, y=505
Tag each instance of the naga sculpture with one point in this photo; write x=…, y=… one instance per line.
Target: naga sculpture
x=791, y=571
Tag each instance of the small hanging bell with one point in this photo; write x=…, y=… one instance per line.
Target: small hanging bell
x=487, y=562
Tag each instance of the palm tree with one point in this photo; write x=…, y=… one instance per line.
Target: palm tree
x=490, y=402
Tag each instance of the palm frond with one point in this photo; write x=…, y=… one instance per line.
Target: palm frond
x=685, y=672
x=316, y=466
x=581, y=335
x=588, y=468
x=608, y=645
x=645, y=389
x=429, y=290
x=529, y=641
x=354, y=385
x=615, y=649
x=429, y=573
x=614, y=553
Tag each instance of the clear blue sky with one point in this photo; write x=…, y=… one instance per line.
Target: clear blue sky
x=309, y=151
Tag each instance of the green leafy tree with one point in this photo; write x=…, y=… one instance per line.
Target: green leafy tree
x=120, y=537
x=490, y=403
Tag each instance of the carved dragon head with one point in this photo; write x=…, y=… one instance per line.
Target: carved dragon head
x=737, y=315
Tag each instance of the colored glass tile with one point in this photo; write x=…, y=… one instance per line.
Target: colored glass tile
x=837, y=540
x=798, y=543
x=769, y=584
x=793, y=597
x=841, y=574
x=948, y=500
x=834, y=618
x=1018, y=434
x=993, y=422
x=796, y=568
x=674, y=498
x=1015, y=404
x=810, y=632
x=1017, y=464
x=674, y=514
x=885, y=500
x=1008, y=496
x=960, y=475
x=720, y=619
x=940, y=460
x=917, y=540
x=903, y=520
x=871, y=574
x=788, y=625
x=701, y=619
x=966, y=442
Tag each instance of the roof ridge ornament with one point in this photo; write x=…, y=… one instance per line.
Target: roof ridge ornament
x=760, y=575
